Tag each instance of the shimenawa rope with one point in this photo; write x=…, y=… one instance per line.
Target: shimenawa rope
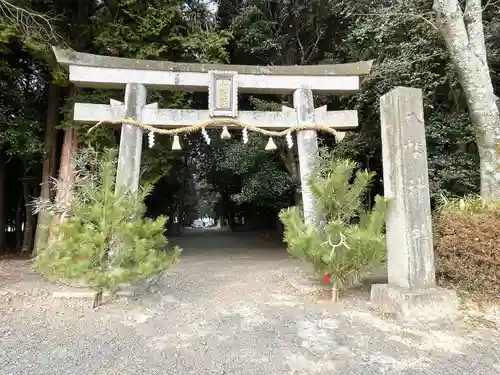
x=217, y=122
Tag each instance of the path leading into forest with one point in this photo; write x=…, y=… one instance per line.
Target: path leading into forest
x=225, y=309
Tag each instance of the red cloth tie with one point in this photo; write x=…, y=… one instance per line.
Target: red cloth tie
x=326, y=278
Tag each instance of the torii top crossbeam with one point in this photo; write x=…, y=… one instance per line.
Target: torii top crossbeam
x=87, y=70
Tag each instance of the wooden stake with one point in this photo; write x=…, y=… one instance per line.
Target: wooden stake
x=335, y=293
x=97, y=300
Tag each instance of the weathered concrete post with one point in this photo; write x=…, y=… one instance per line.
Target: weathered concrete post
x=412, y=290
x=307, y=145
x=129, y=157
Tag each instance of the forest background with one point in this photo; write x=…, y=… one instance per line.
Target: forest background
x=242, y=184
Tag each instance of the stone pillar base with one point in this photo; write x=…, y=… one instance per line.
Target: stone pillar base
x=421, y=304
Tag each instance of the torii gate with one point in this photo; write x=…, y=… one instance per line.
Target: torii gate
x=223, y=82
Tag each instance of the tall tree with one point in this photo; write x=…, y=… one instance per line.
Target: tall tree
x=79, y=38
x=49, y=163
x=408, y=51
x=463, y=32
x=21, y=105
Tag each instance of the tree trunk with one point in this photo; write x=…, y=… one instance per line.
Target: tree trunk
x=182, y=203
x=66, y=171
x=29, y=222
x=3, y=219
x=464, y=38
x=81, y=39
x=48, y=164
x=19, y=223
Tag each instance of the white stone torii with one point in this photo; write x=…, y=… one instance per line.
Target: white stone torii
x=411, y=290
x=223, y=83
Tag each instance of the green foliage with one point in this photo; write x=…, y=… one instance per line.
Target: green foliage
x=452, y=155
x=7, y=32
x=348, y=242
x=264, y=187
x=104, y=238
x=257, y=177
x=156, y=30
x=408, y=51
x=160, y=29
x=282, y=32
x=21, y=126
x=60, y=77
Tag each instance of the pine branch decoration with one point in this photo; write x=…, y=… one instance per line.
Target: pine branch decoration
x=106, y=241
x=351, y=242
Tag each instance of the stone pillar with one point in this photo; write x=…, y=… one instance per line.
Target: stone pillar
x=129, y=157
x=307, y=145
x=411, y=291
x=409, y=227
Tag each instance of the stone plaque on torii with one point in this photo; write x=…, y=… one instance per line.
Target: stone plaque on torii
x=223, y=82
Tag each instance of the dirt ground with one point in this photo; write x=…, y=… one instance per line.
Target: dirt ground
x=227, y=308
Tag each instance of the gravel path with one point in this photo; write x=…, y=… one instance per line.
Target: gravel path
x=226, y=309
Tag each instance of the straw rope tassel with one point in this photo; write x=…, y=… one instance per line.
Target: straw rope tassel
x=176, y=145
x=270, y=144
x=245, y=135
x=339, y=136
x=205, y=135
x=225, y=133
x=151, y=139
x=289, y=139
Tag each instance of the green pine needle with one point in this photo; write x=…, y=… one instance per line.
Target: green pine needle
x=351, y=243
x=106, y=241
